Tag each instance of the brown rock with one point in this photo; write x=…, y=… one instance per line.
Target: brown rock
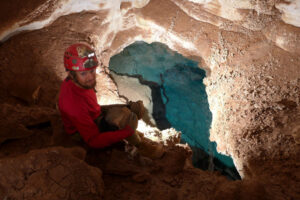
x=141, y=177
x=51, y=173
x=252, y=68
x=120, y=164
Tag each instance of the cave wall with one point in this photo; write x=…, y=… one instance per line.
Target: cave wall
x=249, y=49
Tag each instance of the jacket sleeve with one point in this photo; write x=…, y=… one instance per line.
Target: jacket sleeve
x=91, y=135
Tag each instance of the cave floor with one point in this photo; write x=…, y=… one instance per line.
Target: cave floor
x=136, y=177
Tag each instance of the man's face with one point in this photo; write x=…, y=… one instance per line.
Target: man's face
x=86, y=79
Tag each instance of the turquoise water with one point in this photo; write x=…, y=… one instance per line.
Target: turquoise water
x=182, y=90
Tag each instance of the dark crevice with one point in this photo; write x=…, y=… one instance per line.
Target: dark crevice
x=163, y=88
x=205, y=161
x=39, y=125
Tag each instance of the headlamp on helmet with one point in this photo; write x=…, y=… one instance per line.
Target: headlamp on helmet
x=80, y=57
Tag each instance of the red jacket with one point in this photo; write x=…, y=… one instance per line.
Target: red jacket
x=79, y=109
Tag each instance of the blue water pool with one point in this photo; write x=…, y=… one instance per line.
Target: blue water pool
x=183, y=94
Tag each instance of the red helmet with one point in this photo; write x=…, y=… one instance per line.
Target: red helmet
x=80, y=57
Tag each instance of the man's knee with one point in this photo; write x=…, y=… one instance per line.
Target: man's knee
x=121, y=117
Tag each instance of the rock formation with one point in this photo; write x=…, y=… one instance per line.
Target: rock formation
x=249, y=49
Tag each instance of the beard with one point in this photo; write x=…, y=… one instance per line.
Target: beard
x=86, y=85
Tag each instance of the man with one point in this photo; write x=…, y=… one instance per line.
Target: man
x=98, y=126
